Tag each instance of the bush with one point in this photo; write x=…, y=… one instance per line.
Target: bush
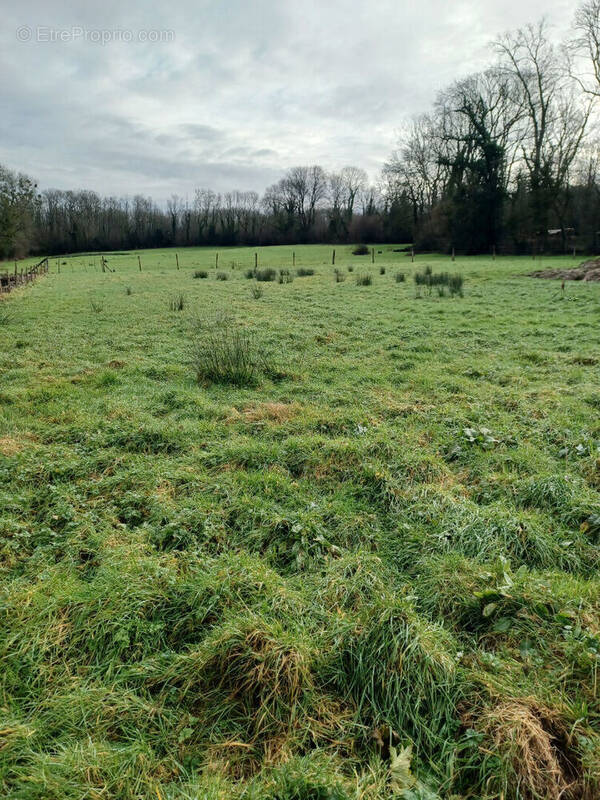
x=249, y=274
x=177, y=302
x=364, y=280
x=361, y=250
x=221, y=276
x=200, y=273
x=303, y=272
x=223, y=352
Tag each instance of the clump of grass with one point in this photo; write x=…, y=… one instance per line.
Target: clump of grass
x=200, y=273
x=455, y=284
x=249, y=274
x=304, y=272
x=382, y=270
x=361, y=250
x=399, y=667
x=265, y=275
x=128, y=291
x=364, y=280
x=224, y=352
x=285, y=276
x=5, y=313
x=400, y=277
x=177, y=302
x=97, y=306
x=257, y=291
x=440, y=280
x=350, y=268
x=339, y=276
x=221, y=276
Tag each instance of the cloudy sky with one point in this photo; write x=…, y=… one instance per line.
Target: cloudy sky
x=236, y=91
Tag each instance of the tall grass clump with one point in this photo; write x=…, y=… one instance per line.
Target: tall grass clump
x=224, y=352
x=339, y=276
x=200, y=273
x=304, y=272
x=285, y=276
x=361, y=250
x=265, y=275
x=256, y=292
x=400, y=669
x=400, y=277
x=364, y=280
x=221, y=276
x=177, y=302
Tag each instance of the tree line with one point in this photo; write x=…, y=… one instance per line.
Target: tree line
x=507, y=159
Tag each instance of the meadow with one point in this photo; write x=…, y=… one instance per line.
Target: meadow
x=364, y=568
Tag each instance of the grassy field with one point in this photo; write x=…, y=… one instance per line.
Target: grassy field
x=370, y=572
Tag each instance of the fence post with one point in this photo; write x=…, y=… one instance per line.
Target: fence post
x=177, y=260
x=139, y=264
x=333, y=258
x=412, y=254
x=294, y=259
x=372, y=255
x=216, y=260
x=453, y=255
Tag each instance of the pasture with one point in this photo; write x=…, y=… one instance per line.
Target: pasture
x=367, y=570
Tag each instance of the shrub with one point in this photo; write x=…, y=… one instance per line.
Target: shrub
x=221, y=276
x=304, y=272
x=364, y=280
x=268, y=274
x=177, y=302
x=200, y=273
x=361, y=250
x=223, y=352
x=400, y=277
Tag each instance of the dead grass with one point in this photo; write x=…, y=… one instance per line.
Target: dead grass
x=266, y=412
x=538, y=750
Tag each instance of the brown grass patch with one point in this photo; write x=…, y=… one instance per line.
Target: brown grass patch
x=267, y=412
x=537, y=747
x=10, y=446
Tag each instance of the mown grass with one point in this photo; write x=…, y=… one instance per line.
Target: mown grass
x=365, y=567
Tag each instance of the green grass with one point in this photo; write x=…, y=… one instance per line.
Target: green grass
x=266, y=577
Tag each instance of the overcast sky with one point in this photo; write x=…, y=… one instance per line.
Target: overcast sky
x=238, y=91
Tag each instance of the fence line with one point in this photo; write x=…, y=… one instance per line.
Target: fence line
x=11, y=280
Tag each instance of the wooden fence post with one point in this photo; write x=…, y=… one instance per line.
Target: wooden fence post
x=255, y=260
x=294, y=259
x=333, y=258
x=372, y=255
x=412, y=254
x=139, y=264
x=216, y=260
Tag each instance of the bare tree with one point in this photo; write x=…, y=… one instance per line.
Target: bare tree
x=586, y=47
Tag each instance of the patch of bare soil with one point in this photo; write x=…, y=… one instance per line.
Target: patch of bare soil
x=586, y=271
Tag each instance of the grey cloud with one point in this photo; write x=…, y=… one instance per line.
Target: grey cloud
x=245, y=90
